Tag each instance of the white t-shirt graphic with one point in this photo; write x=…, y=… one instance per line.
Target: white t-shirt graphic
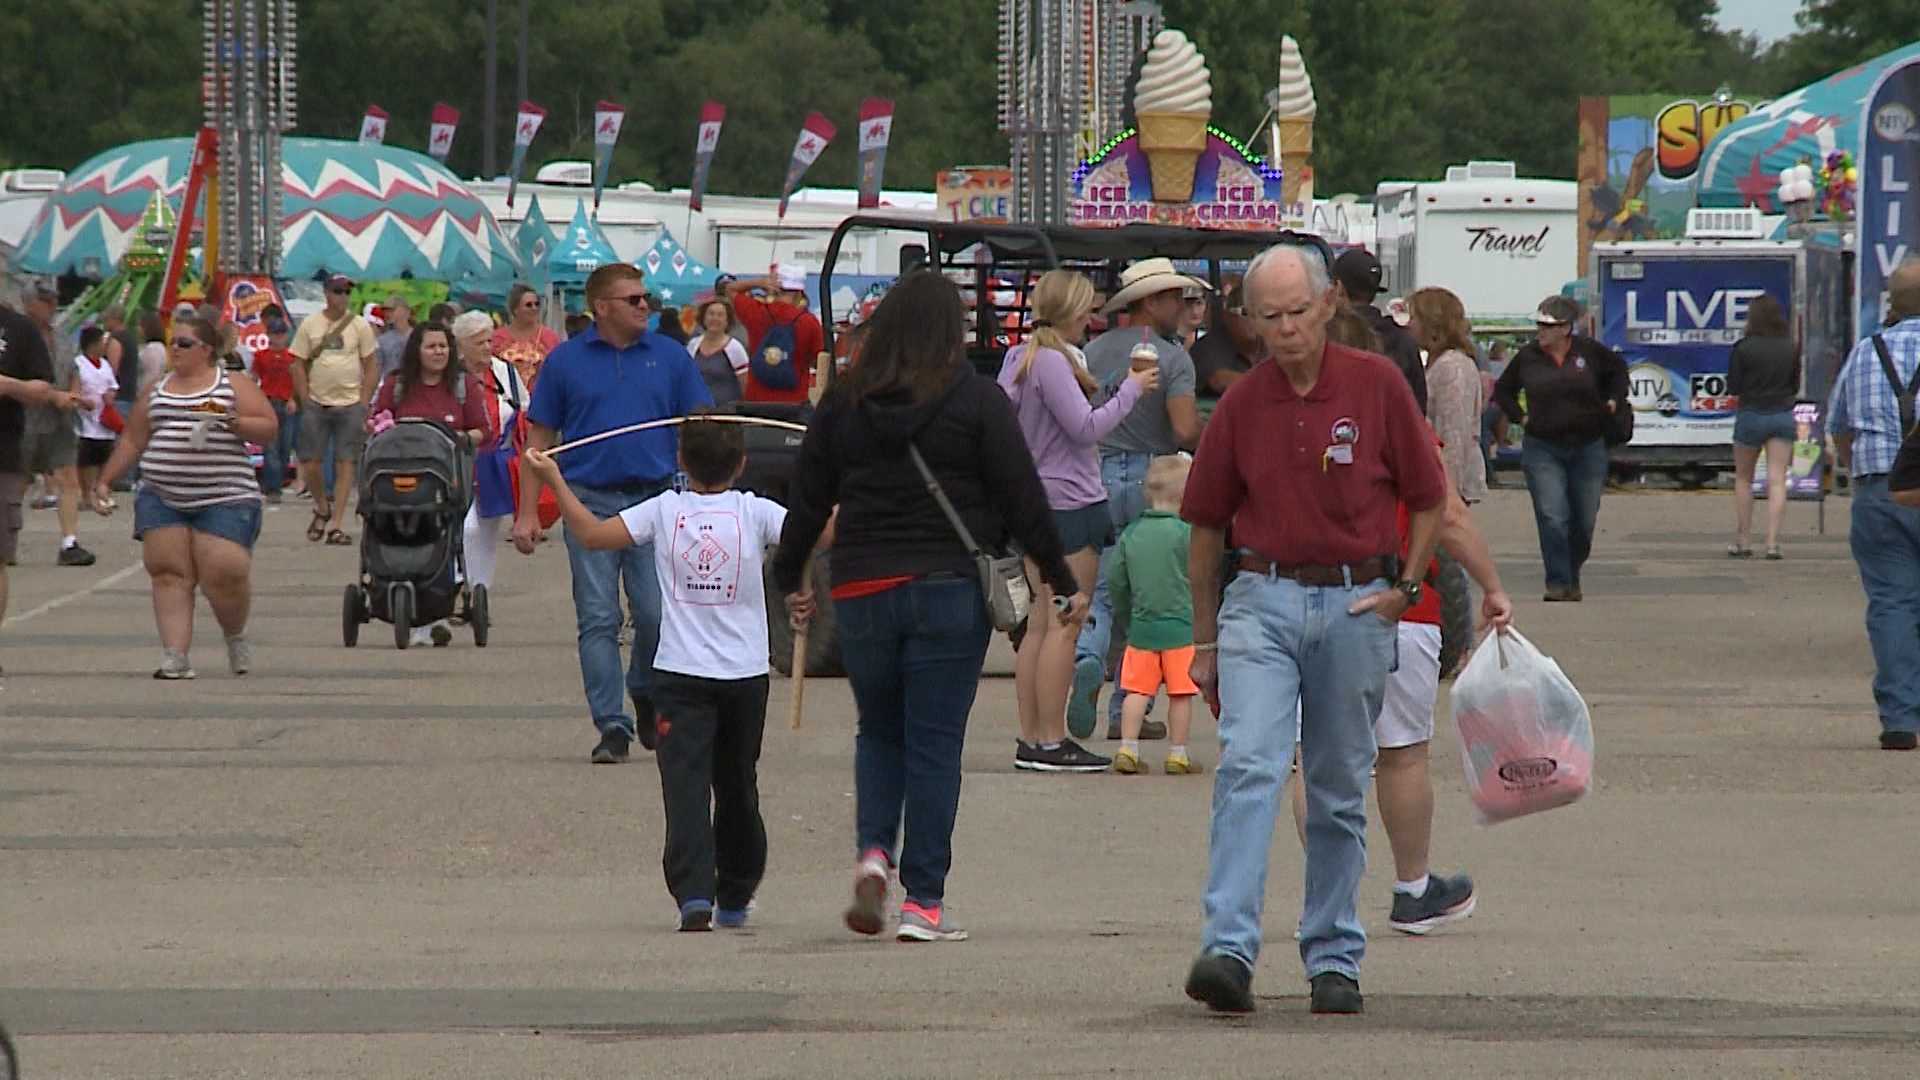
x=708, y=551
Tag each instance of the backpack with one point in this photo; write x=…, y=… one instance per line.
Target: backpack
x=1903, y=395
x=773, y=364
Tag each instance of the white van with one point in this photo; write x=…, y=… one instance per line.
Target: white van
x=1498, y=242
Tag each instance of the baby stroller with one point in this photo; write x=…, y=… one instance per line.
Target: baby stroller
x=414, y=491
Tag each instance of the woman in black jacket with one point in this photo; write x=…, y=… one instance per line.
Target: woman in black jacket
x=1576, y=389
x=913, y=623
x=1764, y=373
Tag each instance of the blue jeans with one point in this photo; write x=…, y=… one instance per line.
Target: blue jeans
x=598, y=577
x=913, y=657
x=1566, y=482
x=1885, y=538
x=273, y=472
x=1290, y=651
x=1125, y=477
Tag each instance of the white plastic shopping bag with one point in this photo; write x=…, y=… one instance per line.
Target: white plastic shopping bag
x=1526, y=737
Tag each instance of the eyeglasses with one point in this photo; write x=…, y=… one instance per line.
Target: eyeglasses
x=187, y=343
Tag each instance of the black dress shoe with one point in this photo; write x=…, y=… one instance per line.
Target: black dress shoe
x=643, y=722
x=1898, y=740
x=1334, y=993
x=1221, y=983
x=611, y=749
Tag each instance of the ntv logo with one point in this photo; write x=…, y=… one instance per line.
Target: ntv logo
x=1494, y=240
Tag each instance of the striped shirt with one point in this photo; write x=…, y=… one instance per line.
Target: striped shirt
x=1865, y=404
x=186, y=477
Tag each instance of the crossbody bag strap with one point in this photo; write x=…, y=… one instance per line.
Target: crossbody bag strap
x=946, y=505
x=1902, y=395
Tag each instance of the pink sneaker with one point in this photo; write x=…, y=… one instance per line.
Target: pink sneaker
x=868, y=912
x=921, y=923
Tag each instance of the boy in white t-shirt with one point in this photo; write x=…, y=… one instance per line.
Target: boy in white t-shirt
x=94, y=380
x=710, y=673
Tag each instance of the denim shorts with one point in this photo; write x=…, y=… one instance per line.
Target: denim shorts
x=238, y=521
x=1084, y=527
x=1752, y=429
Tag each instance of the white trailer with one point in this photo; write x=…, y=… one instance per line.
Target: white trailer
x=1499, y=242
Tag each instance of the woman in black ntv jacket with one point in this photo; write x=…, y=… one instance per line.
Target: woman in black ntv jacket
x=1576, y=390
x=913, y=623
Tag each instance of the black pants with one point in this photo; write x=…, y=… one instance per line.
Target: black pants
x=709, y=757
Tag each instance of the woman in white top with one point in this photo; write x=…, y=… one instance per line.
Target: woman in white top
x=95, y=382
x=492, y=509
x=197, y=515
x=1455, y=394
x=721, y=358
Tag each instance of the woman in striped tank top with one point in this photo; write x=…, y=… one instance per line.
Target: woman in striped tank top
x=198, y=512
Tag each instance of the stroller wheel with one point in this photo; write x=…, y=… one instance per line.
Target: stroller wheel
x=352, y=615
x=477, y=616
x=400, y=610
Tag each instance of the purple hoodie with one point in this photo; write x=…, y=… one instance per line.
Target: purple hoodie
x=1062, y=427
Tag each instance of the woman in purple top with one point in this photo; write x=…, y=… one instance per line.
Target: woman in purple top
x=1052, y=393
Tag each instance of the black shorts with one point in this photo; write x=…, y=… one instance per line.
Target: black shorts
x=93, y=453
x=1084, y=527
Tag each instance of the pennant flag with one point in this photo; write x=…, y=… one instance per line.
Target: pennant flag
x=607, y=118
x=446, y=119
x=712, y=115
x=373, y=126
x=525, y=127
x=876, y=127
x=815, y=134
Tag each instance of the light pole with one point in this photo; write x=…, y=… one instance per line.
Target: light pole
x=489, y=119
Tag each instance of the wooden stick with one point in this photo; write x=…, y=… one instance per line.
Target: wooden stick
x=673, y=421
x=799, y=668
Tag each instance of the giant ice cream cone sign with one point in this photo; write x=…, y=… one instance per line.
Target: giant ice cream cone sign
x=1294, y=112
x=1173, y=102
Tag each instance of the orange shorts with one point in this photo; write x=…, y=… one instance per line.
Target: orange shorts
x=1143, y=671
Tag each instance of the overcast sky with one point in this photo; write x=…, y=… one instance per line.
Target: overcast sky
x=1771, y=19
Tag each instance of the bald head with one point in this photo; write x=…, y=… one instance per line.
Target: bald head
x=1903, y=289
x=1290, y=298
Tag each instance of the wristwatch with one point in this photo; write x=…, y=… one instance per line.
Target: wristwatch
x=1410, y=589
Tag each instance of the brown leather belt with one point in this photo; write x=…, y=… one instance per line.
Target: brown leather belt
x=1318, y=576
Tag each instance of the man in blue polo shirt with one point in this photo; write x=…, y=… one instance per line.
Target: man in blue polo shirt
x=610, y=375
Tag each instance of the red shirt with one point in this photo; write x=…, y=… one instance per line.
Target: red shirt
x=437, y=402
x=759, y=316
x=1316, y=480
x=271, y=371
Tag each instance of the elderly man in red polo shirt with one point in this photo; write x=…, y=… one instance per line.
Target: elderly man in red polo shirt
x=1308, y=459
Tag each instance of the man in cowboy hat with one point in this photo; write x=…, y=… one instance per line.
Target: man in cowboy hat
x=1165, y=421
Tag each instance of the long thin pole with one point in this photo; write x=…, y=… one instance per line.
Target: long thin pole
x=520, y=67
x=675, y=421
x=489, y=117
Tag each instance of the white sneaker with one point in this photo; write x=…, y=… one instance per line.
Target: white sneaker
x=868, y=912
x=239, y=654
x=173, y=666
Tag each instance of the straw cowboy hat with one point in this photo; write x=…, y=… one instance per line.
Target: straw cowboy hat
x=1149, y=277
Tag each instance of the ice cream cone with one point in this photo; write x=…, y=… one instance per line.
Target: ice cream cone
x=1296, y=150
x=1172, y=143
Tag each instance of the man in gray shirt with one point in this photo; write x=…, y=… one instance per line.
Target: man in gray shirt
x=1162, y=422
x=392, y=342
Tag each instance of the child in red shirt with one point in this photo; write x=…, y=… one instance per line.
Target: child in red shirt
x=272, y=369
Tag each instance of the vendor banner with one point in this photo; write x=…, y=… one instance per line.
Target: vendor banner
x=1637, y=160
x=245, y=298
x=373, y=126
x=525, y=126
x=445, y=121
x=1805, y=468
x=876, y=128
x=815, y=134
x=712, y=115
x=607, y=118
x=974, y=193
x=1889, y=201
x=1223, y=186
x=1675, y=322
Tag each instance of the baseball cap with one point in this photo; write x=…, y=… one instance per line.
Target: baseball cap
x=1359, y=273
x=792, y=278
x=339, y=281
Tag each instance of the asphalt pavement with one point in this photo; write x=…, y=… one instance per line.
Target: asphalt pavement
x=373, y=863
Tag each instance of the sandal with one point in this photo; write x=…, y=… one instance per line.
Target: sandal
x=316, y=528
x=338, y=538
x=1773, y=553
x=1739, y=551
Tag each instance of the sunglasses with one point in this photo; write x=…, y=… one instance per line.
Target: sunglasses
x=338, y=292
x=187, y=343
x=638, y=300
x=530, y=302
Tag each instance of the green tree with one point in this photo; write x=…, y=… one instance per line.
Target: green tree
x=1837, y=34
